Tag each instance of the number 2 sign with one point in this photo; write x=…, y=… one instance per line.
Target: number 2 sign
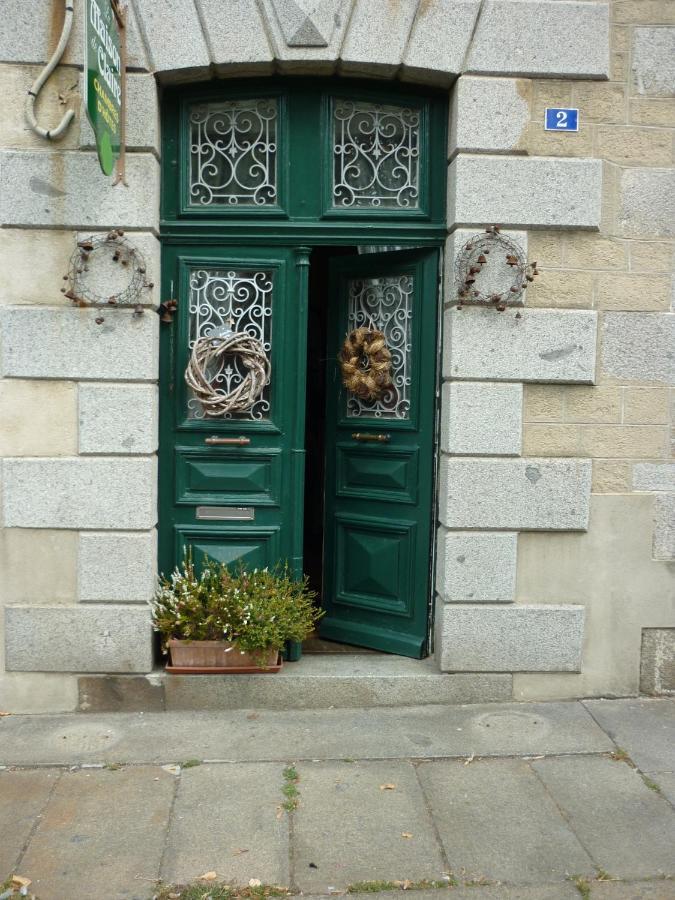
x=561, y=119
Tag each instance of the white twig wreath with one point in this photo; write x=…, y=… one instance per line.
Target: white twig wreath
x=208, y=356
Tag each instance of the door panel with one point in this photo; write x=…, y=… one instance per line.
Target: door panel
x=233, y=500
x=379, y=457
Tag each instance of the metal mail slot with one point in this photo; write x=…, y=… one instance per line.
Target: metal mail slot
x=227, y=513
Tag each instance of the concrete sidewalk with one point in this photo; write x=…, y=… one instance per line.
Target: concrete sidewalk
x=493, y=802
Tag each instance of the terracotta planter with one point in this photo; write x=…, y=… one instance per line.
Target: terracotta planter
x=218, y=655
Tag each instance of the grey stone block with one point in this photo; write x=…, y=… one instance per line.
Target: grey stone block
x=664, y=527
x=496, y=821
x=120, y=693
x=654, y=477
x=70, y=191
x=515, y=494
x=476, y=567
x=308, y=36
x=76, y=844
x=627, y=829
x=639, y=347
x=537, y=37
x=657, y=661
x=439, y=39
x=653, y=61
x=174, y=36
x=647, y=203
x=118, y=418
x=96, y=493
x=487, y=638
x=237, y=41
x=496, y=276
x=375, y=45
x=524, y=192
x=482, y=418
x=202, y=829
x=117, y=567
x=32, y=30
x=72, y=345
x=78, y=639
x=352, y=845
x=543, y=345
x=142, y=116
x=488, y=114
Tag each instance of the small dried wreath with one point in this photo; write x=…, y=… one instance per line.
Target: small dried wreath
x=365, y=361
x=211, y=352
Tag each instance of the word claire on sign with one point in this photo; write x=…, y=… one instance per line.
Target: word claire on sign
x=565, y=119
x=103, y=87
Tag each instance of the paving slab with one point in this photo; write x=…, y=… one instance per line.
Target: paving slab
x=227, y=818
x=349, y=828
x=628, y=829
x=666, y=783
x=23, y=796
x=503, y=729
x=480, y=892
x=644, y=728
x=634, y=890
x=496, y=820
x=101, y=835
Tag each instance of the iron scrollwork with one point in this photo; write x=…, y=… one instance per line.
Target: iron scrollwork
x=376, y=155
x=233, y=153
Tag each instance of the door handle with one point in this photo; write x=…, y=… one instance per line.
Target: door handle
x=371, y=438
x=232, y=441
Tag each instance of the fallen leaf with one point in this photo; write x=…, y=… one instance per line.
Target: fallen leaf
x=406, y=834
x=172, y=769
x=406, y=885
x=208, y=876
x=470, y=759
x=253, y=716
x=387, y=787
x=255, y=882
x=18, y=881
x=313, y=866
x=4, y=714
x=239, y=851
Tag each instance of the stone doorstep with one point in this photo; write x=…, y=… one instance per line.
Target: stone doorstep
x=318, y=681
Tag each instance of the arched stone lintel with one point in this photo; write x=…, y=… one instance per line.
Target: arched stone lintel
x=420, y=41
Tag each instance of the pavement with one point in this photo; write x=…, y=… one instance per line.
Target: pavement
x=512, y=801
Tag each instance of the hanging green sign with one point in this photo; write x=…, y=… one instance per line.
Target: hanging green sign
x=103, y=79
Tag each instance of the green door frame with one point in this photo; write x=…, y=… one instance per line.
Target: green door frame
x=301, y=222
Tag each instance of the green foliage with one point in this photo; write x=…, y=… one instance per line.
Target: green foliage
x=255, y=610
x=203, y=891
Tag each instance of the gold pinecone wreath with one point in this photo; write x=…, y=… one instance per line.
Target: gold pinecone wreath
x=365, y=361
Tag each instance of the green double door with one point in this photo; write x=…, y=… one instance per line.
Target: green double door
x=234, y=488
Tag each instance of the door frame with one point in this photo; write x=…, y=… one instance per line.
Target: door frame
x=302, y=234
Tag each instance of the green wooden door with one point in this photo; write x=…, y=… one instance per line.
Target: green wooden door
x=231, y=487
x=379, y=457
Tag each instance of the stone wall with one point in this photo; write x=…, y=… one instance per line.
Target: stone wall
x=556, y=498
x=78, y=400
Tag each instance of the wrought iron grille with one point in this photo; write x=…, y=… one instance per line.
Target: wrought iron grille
x=241, y=300
x=375, y=155
x=233, y=153
x=385, y=304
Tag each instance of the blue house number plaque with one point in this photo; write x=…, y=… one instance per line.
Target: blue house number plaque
x=561, y=119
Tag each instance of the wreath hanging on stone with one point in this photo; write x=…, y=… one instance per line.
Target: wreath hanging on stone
x=209, y=354
x=365, y=361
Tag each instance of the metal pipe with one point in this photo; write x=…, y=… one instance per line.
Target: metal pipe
x=51, y=134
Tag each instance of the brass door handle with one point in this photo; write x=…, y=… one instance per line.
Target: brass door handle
x=371, y=438
x=237, y=442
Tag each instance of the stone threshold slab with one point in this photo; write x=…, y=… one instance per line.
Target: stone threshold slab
x=418, y=732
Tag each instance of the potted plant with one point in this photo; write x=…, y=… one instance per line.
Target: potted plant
x=223, y=621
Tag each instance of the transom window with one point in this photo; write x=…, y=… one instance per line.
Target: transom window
x=304, y=149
